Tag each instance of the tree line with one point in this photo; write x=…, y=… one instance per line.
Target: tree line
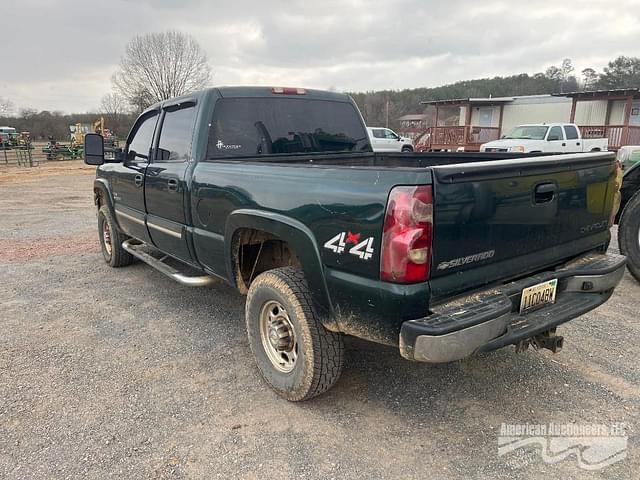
x=377, y=106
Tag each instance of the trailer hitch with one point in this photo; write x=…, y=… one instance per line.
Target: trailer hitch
x=548, y=340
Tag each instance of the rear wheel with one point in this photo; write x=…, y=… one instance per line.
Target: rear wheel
x=407, y=149
x=111, y=240
x=629, y=234
x=295, y=354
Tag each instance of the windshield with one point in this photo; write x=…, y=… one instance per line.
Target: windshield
x=531, y=132
x=271, y=126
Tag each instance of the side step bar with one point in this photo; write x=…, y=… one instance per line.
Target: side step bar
x=140, y=250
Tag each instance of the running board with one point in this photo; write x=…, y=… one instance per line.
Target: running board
x=140, y=250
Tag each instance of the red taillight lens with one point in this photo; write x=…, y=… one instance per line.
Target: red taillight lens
x=407, y=235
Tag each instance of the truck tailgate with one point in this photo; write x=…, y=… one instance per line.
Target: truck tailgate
x=501, y=219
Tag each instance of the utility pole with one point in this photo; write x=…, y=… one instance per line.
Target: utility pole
x=387, y=114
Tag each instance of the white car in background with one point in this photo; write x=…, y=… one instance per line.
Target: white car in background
x=386, y=140
x=543, y=137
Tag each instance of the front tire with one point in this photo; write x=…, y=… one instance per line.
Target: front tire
x=295, y=354
x=111, y=240
x=629, y=234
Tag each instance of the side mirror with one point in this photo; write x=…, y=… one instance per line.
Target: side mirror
x=399, y=138
x=93, y=149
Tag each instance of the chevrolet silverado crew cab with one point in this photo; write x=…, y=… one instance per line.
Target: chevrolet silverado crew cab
x=277, y=192
x=386, y=140
x=543, y=137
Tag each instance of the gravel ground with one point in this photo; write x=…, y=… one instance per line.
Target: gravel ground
x=123, y=373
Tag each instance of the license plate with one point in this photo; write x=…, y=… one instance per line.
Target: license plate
x=538, y=295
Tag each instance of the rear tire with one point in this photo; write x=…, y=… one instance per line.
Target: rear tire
x=295, y=354
x=629, y=234
x=111, y=240
x=407, y=149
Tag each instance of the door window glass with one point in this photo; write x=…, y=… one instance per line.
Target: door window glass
x=571, y=132
x=140, y=142
x=555, y=133
x=378, y=133
x=390, y=135
x=175, y=136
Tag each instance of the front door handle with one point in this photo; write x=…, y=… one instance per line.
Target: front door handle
x=138, y=180
x=172, y=185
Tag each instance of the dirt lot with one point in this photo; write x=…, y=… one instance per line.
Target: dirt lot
x=125, y=374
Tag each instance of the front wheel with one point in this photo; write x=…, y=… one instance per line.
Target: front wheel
x=629, y=235
x=295, y=354
x=111, y=240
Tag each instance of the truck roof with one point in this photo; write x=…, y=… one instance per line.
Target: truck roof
x=257, y=92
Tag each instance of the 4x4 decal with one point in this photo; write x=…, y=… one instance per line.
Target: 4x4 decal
x=362, y=249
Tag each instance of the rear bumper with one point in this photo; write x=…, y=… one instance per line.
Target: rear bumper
x=489, y=320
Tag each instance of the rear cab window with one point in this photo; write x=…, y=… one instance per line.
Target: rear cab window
x=276, y=126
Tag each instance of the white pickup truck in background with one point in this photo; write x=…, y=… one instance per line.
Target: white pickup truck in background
x=386, y=140
x=543, y=137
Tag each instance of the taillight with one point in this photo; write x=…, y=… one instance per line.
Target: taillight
x=405, y=255
x=288, y=91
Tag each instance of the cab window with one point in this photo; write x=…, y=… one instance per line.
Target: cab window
x=280, y=126
x=390, y=135
x=571, y=132
x=140, y=138
x=555, y=134
x=175, y=135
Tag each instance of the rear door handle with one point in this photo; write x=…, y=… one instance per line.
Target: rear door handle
x=564, y=144
x=138, y=180
x=544, y=192
x=172, y=185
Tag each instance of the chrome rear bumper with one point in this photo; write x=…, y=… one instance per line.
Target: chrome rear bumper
x=489, y=320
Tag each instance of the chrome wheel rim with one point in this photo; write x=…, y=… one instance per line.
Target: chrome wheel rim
x=278, y=336
x=106, y=237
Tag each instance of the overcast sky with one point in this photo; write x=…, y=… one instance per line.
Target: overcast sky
x=60, y=55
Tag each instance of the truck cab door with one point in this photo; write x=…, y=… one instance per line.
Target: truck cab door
x=128, y=178
x=555, y=140
x=166, y=186
x=574, y=142
x=379, y=140
x=392, y=141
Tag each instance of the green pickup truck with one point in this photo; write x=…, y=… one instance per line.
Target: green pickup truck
x=277, y=192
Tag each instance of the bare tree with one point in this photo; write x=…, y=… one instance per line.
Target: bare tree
x=113, y=106
x=158, y=66
x=6, y=106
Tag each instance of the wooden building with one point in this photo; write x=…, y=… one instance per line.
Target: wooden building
x=612, y=114
x=465, y=124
